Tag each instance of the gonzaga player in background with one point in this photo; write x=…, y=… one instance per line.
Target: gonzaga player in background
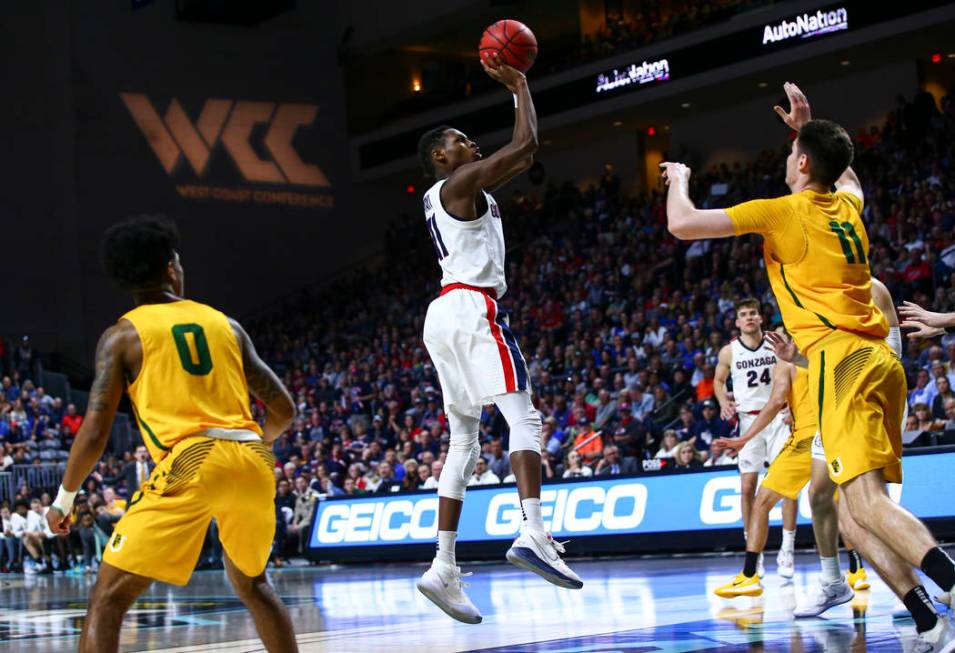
x=474, y=352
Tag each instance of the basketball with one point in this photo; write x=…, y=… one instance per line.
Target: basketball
x=513, y=40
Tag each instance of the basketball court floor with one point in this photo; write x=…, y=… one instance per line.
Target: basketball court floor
x=627, y=604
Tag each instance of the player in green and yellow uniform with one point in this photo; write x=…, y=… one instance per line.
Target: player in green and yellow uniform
x=816, y=253
x=188, y=370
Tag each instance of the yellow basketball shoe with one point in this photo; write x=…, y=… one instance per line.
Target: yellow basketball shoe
x=742, y=585
x=858, y=580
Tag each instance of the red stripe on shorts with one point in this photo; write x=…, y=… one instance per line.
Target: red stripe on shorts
x=509, y=383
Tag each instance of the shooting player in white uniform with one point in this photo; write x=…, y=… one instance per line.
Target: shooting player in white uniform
x=473, y=350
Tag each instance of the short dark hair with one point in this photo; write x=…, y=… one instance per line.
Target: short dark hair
x=829, y=149
x=137, y=250
x=426, y=144
x=747, y=302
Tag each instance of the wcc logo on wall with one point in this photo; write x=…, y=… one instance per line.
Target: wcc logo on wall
x=258, y=139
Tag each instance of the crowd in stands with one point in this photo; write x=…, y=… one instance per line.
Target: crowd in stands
x=620, y=325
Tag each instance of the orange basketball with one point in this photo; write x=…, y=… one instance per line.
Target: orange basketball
x=513, y=40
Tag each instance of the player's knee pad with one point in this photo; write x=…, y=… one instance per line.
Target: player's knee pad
x=458, y=466
x=526, y=433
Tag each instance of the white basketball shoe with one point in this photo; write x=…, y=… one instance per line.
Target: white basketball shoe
x=443, y=587
x=537, y=551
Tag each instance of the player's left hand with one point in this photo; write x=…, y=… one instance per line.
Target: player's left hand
x=675, y=172
x=784, y=349
x=798, y=114
x=915, y=313
x=59, y=523
x=922, y=331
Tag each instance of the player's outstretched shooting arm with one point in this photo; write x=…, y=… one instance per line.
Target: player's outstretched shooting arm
x=507, y=162
x=94, y=432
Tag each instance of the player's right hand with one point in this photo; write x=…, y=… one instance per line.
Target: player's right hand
x=798, y=114
x=58, y=522
x=733, y=445
x=727, y=409
x=499, y=71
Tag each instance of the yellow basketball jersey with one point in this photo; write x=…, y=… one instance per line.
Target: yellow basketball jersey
x=817, y=257
x=801, y=406
x=191, y=378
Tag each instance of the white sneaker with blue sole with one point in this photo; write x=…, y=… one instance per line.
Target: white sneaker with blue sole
x=537, y=551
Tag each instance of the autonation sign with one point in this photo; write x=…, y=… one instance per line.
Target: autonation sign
x=634, y=74
x=806, y=25
x=641, y=504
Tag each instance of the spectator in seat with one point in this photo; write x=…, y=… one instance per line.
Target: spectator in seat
x=301, y=523
x=71, y=421
x=482, y=475
x=587, y=443
x=574, y=467
x=612, y=464
x=704, y=389
x=669, y=445
x=950, y=414
x=432, y=481
x=410, y=479
x=606, y=410
x=924, y=422
x=424, y=473
x=711, y=427
x=498, y=460
x=687, y=457
x=387, y=481
x=943, y=394
x=923, y=393
x=137, y=472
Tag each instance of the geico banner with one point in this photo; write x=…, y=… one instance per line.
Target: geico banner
x=642, y=504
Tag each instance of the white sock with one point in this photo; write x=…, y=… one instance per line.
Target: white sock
x=789, y=540
x=532, y=513
x=830, y=570
x=446, y=541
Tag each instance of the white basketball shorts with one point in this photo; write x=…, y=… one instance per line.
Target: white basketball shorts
x=472, y=348
x=759, y=452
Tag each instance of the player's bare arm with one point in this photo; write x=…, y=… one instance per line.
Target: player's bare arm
x=265, y=386
x=723, y=363
x=107, y=389
x=460, y=191
x=684, y=220
x=782, y=382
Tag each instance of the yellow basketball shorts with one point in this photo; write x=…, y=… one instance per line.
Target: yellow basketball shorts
x=860, y=386
x=789, y=472
x=165, y=524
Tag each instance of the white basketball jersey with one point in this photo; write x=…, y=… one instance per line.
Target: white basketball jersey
x=469, y=251
x=752, y=373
